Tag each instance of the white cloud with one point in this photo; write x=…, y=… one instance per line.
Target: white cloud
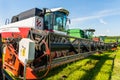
x=102, y=21
x=98, y=15
x=85, y=18
x=109, y=12
x=103, y=33
x=107, y=31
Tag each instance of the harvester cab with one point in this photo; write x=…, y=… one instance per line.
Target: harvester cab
x=89, y=33
x=58, y=17
x=47, y=19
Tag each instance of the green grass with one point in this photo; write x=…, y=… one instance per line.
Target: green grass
x=95, y=67
x=116, y=69
x=111, y=38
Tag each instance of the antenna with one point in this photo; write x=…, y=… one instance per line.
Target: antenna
x=7, y=21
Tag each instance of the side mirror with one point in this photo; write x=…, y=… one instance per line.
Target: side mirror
x=68, y=20
x=67, y=24
x=67, y=27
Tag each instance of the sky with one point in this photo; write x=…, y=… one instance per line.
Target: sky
x=101, y=15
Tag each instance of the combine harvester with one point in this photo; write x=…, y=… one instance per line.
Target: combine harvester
x=37, y=40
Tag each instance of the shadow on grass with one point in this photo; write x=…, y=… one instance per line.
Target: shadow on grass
x=56, y=70
x=90, y=74
x=112, y=68
x=52, y=72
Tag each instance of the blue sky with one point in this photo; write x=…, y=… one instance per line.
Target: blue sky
x=102, y=15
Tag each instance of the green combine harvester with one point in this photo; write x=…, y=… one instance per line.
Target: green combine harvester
x=87, y=33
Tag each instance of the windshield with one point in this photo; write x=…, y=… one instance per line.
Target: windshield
x=56, y=21
x=89, y=34
x=60, y=21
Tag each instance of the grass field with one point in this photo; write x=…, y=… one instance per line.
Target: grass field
x=104, y=66
x=116, y=69
x=112, y=39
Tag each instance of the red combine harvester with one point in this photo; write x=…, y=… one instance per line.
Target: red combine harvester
x=37, y=40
